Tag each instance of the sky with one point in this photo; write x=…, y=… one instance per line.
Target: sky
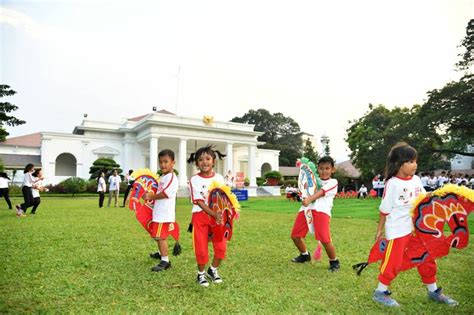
x=319, y=62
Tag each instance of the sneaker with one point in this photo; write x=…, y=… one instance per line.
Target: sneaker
x=438, y=296
x=163, y=265
x=201, y=280
x=383, y=297
x=334, y=265
x=20, y=214
x=214, y=275
x=302, y=258
x=156, y=255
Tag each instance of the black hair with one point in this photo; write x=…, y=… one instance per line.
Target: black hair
x=208, y=149
x=28, y=168
x=166, y=152
x=130, y=172
x=36, y=172
x=326, y=159
x=4, y=175
x=98, y=175
x=399, y=154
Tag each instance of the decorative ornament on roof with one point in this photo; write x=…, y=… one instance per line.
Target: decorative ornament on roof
x=208, y=120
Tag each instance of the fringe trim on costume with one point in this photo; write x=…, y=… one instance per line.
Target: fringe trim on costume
x=228, y=192
x=443, y=191
x=145, y=171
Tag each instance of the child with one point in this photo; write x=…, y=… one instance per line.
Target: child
x=320, y=205
x=36, y=188
x=101, y=188
x=28, y=181
x=4, y=179
x=205, y=158
x=164, y=222
x=401, y=190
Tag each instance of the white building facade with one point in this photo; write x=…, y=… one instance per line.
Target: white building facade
x=135, y=143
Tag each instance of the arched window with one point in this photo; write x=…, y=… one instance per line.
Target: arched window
x=66, y=165
x=266, y=167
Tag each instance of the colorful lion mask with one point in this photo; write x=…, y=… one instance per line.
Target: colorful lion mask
x=450, y=204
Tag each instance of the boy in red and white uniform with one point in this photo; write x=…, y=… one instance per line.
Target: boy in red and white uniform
x=320, y=205
x=164, y=220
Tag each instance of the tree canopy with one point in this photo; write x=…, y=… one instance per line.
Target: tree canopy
x=5, y=109
x=467, y=57
x=309, y=151
x=279, y=133
x=371, y=137
x=105, y=165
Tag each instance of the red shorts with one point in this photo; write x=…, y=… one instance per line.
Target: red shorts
x=163, y=230
x=321, y=226
x=201, y=230
x=393, y=260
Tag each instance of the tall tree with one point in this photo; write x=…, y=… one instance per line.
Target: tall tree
x=309, y=151
x=279, y=133
x=467, y=57
x=449, y=111
x=371, y=137
x=6, y=108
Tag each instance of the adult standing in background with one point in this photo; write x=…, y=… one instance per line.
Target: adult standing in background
x=114, y=187
x=4, y=190
x=130, y=180
x=101, y=188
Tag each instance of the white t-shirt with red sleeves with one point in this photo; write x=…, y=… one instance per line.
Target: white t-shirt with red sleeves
x=397, y=201
x=164, y=210
x=199, y=188
x=324, y=203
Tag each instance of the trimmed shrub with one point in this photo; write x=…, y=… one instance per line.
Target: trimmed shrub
x=290, y=182
x=273, y=174
x=260, y=181
x=74, y=185
x=91, y=186
x=103, y=165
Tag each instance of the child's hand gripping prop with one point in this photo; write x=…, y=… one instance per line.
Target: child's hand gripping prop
x=450, y=204
x=145, y=182
x=222, y=200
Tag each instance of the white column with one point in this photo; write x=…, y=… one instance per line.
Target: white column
x=154, y=154
x=252, y=165
x=183, y=177
x=229, y=160
x=126, y=161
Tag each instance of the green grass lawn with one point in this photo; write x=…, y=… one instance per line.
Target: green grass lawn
x=74, y=257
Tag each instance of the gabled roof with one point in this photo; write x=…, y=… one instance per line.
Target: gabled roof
x=138, y=118
x=31, y=140
x=349, y=169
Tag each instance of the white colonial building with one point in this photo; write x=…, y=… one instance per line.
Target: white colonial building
x=135, y=142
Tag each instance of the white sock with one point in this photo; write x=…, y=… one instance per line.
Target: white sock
x=305, y=253
x=213, y=268
x=201, y=272
x=381, y=287
x=432, y=287
x=165, y=258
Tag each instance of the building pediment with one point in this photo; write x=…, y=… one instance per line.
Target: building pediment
x=105, y=151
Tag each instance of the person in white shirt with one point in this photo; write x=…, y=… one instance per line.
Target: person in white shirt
x=28, y=182
x=4, y=190
x=101, y=188
x=402, y=188
x=320, y=205
x=362, y=192
x=199, y=184
x=114, y=188
x=36, y=188
x=424, y=181
x=229, y=179
x=164, y=211
x=432, y=182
